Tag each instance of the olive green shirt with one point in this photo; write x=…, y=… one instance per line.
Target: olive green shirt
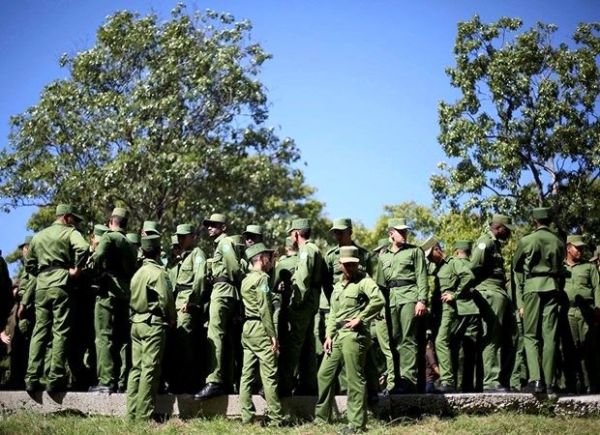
x=308, y=277
x=116, y=258
x=408, y=264
x=333, y=273
x=582, y=281
x=538, y=263
x=359, y=298
x=225, y=264
x=52, y=252
x=257, y=299
x=487, y=264
x=151, y=296
x=284, y=269
x=454, y=276
x=190, y=277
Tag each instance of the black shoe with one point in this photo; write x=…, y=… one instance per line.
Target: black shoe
x=445, y=389
x=102, y=389
x=496, y=389
x=209, y=391
x=534, y=387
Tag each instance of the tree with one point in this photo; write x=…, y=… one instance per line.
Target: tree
x=166, y=118
x=525, y=130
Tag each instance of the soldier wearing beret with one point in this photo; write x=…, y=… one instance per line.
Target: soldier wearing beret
x=582, y=287
x=537, y=269
x=56, y=256
x=116, y=261
x=152, y=312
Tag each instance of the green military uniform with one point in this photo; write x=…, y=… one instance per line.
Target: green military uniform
x=281, y=280
x=404, y=273
x=116, y=260
x=487, y=264
x=152, y=311
x=582, y=287
x=454, y=277
x=189, y=285
x=304, y=303
x=358, y=298
x=258, y=331
x=537, y=266
x=225, y=272
x=51, y=253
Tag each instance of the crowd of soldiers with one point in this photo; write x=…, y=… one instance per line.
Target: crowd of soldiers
x=122, y=314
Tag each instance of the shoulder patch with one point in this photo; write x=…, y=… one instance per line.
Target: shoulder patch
x=199, y=259
x=265, y=288
x=226, y=247
x=481, y=246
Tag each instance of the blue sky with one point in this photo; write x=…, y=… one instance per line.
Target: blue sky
x=355, y=83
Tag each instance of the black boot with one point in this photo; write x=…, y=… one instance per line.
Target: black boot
x=209, y=391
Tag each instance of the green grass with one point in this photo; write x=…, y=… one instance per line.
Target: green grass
x=501, y=424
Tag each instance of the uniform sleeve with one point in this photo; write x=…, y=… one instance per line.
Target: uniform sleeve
x=477, y=264
x=165, y=297
x=199, y=268
x=421, y=275
x=595, y=281
x=265, y=307
x=230, y=259
x=301, y=277
x=27, y=289
x=465, y=278
x=330, y=325
x=31, y=260
x=518, y=275
x=328, y=276
x=376, y=300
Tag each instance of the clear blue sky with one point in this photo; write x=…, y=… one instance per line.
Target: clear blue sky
x=355, y=83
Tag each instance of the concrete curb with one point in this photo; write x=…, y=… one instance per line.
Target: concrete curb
x=303, y=406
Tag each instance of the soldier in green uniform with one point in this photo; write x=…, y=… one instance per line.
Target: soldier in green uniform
x=453, y=279
x=150, y=228
x=134, y=239
x=282, y=287
x=225, y=274
x=298, y=357
x=582, y=287
x=402, y=269
x=189, y=286
x=487, y=264
x=253, y=234
x=355, y=301
x=152, y=312
x=537, y=268
x=56, y=256
x=259, y=336
x=116, y=260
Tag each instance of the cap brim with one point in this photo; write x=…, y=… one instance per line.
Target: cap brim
x=77, y=217
x=578, y=244
x=349, y=260
x=250, y=232
x=339, y=228
x=400, y=227
x=207, y=222
x=183, y=233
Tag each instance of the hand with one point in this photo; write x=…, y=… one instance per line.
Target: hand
x=327, y=345
x=5, y=338
x=420, y=309
x=184, y=308
x=447, y=297
x=74, y=272
x=353, y=324
x=274, y=345
x=521, y=312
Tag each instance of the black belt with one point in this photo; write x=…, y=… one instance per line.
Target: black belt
x=247, y=319
x=223, y=279
x=51, y=268
x=538, y=274
x=400, y=283
x=182, y=287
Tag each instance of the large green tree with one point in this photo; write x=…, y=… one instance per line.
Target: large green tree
x=165, y=117
x=524, y=131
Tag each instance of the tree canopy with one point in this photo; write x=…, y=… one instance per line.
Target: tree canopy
x=524, y=131
x=165, y=117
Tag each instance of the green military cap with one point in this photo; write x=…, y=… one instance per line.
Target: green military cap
x=349, y=254
x=341, y=224
x=398, y=224
x=63, y=209
x=299, y=224
x=174, y=240
x=100, y=229
x=596, y=254
x=150, y=227
x=217, y=218
x=576, y=240
x=503, y=220
x=541, y=213
x=257, y=248
x=428, y=245
x=382, y=243
x=463, y=245
x=253, y=229
x=184, y=229
x=133, y=238
x=27, y=241
x=120, y=212
x=150, y=242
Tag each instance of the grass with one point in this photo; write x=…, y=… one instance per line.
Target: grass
x=501, y=424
